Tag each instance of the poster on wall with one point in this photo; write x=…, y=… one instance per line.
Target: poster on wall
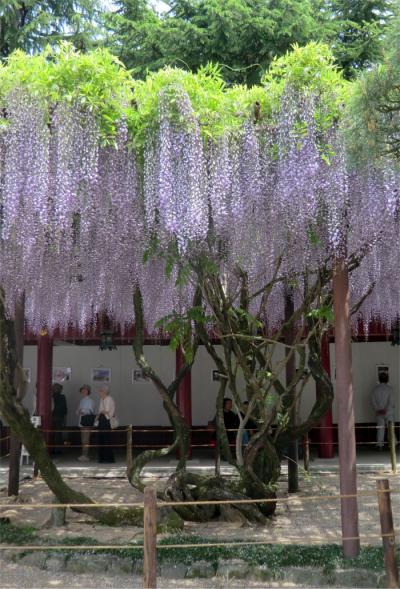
x=138, y=376
x=27, y=374
x=382, y=369
x=61, y=374
x=101, y=375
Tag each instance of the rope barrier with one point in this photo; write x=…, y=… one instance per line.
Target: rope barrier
x=206, y=445
x=171, y=430
x=292, y=499
x=77, y=430
x=65, y=446
x=82, y=547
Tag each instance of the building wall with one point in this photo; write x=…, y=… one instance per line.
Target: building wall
x=366, y=357
x=139, y=403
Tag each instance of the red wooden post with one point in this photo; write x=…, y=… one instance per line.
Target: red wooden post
x=15, y=444
x=184, y=392
x=388, y=536
x=150, y=539
x=44, y=378
x=345, y=410
x=326, y=449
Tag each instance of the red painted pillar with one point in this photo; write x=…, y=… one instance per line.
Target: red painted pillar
x=184, y=392
x=326, y=449
x=44, y=378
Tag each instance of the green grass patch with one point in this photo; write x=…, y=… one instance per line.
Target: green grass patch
x=276, y=556
x=17, y=535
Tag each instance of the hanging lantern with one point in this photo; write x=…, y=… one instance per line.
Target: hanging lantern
x=106, y=341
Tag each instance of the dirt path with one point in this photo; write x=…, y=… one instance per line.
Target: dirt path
x=297, y=520
x=14, y=577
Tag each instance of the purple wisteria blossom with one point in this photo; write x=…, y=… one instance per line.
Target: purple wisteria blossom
x=77, y=217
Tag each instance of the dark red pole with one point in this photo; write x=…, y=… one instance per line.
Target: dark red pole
x=184, y=392
x=326, y=449
x=44, y=378
x=345, y=411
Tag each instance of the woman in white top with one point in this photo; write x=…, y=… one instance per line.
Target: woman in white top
x=106, y=411
x=86, y=412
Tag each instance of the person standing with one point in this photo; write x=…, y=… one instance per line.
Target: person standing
x=382, y=400
x=58, y=416
x=86, y=413
x=105, y=413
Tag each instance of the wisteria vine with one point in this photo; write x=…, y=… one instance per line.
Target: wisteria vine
x=78, y=216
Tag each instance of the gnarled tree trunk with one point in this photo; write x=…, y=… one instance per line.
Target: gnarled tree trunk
x=19, y=421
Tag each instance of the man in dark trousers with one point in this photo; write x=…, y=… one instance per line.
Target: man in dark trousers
x=231, y=420
x=59, y=416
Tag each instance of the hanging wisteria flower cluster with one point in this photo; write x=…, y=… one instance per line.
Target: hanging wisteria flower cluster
x=79, y=215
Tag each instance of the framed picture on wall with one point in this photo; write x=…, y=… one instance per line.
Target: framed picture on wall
x=139, y=376
x=27, y=374
x=382, y=369
x=61, y=374
x=101, y=375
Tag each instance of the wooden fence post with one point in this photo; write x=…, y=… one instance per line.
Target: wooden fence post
x=129, y=439
x=306, y=453
x=150, y=539
x=388, y=538
x=392, y=446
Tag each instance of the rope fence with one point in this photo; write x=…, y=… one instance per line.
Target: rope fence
x=151, y=546
x=130, y=445
x=298, y=541
x=161, y=504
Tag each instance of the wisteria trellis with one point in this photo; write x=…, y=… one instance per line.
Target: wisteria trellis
x=77, y=216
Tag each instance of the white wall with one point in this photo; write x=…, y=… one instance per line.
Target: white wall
x=30, y=361
x=140, y=404
x=366, y=356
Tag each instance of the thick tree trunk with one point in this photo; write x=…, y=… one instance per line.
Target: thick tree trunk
x=293, y=445
x=181, y=428
x=15, y=444
x=345, y=410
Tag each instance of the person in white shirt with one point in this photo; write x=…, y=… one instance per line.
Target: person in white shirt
x=86, y=412
x=382, y=400
x=104, y=415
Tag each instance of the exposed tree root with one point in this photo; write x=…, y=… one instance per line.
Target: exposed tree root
x=188, y=487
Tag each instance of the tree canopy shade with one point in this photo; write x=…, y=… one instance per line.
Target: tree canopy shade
x=243, y=36
x=33, y=24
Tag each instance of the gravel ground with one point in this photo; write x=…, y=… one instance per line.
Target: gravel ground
x=300, y=520
x=14, y=577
